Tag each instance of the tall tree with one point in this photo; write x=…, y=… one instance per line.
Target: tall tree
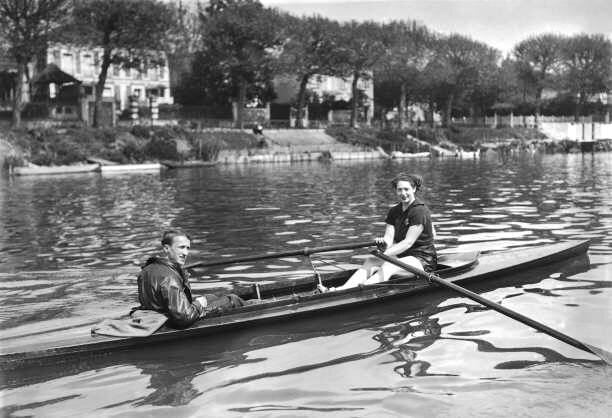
x=364, y=45
x=538, y=60
x=241, y=43
x=460, y=63
x=130, y=33
x=26, y=27
x=184, y=39
x=408, y=53
x=311, y=49
x=587, y=60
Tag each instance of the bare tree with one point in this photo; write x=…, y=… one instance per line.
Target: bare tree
x=311, y=49
x=363, y=46
x=538, y=60
x=131, y=34
x=27, y=26
x=587, y=60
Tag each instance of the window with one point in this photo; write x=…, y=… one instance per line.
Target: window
x=116, y=70
x=67, y=62
x=78, y=62
x=88, y=65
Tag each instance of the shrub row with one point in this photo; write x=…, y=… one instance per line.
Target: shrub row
x=60, y=146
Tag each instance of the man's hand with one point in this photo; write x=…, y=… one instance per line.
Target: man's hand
x=203, y=303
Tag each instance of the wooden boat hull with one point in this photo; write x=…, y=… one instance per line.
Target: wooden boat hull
x=55, y=170
x=294, y=301
x=187, y=164
x=128, y=168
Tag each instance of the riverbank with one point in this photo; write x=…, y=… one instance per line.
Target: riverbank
x=141, y=144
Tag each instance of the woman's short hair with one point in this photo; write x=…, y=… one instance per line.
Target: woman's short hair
x=169, y=235
x=414, y=179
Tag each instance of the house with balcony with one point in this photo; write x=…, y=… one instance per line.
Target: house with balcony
x=121, y=84
x=63, y=80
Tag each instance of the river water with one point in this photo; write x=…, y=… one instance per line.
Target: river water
x=70, y=246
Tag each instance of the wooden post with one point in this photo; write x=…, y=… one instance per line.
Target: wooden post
x=153, y=105
x=134, y=109
x=512, y=119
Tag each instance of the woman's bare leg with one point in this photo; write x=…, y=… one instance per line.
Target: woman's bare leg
x=369, y=267
x=388, y=270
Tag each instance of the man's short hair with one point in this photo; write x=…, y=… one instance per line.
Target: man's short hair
x=169, y=235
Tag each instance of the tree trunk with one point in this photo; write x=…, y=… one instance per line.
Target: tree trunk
x=538, y=106
x=431, y=111
x=242, y=87
x=578, y=107
x=106, y=61
x=402, y=105
x=301, y=100
x=354, y=93
x=448, y=108
x=18, y=98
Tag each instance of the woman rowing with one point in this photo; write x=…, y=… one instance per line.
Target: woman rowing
x=409, y=236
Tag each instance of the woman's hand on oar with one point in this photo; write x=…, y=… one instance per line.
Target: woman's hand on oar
x=602, y=354
x=303, y=252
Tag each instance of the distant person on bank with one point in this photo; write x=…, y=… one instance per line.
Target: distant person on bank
x=163, y=285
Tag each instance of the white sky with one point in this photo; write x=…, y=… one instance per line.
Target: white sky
x=499, y=23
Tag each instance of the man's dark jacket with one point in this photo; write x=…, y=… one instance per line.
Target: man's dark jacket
x=163, y=286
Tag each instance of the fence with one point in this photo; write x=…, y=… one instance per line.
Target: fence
x=582, y=132
x=522, y=121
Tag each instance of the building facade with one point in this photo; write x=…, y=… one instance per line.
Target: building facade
x=339, y=88
x=121, y=84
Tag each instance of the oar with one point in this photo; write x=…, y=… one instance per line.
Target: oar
x=602, y=354
x=303, y=252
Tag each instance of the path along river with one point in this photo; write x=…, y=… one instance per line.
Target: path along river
x=70, y=245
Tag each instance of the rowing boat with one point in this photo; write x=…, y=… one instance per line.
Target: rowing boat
x=282, y=300
x=187, y=164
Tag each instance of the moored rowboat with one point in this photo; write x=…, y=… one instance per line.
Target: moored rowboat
x=285, y=300
x=187, y=164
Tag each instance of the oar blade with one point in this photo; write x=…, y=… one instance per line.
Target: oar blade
x=602, y=354
x=606, y=356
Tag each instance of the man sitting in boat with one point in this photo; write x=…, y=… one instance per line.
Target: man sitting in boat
x=163, y=285
x=409, y=235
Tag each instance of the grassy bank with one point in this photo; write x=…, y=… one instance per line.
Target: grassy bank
x=467, y=138
x=61, y=146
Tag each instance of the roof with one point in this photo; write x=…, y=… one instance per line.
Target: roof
x=53, y=74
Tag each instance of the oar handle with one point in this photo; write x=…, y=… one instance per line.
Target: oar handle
x=602, y=354
x=303, y=252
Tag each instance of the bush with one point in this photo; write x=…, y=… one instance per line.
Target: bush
x=141, y=131
x=35, y=111
x=161, y=148
x=388, y=139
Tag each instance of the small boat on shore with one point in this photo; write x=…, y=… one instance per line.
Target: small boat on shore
x=187, y=164
x=39, y=170
x=122, y=168
x=288, y=299
x=401, y=155
x=106, y=166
